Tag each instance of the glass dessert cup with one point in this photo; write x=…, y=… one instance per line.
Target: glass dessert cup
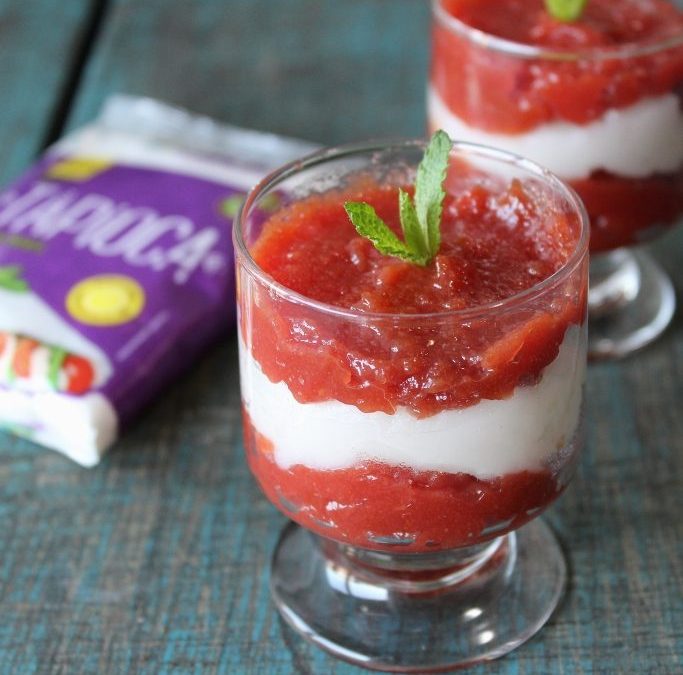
x=416, y=544
x=609, y=120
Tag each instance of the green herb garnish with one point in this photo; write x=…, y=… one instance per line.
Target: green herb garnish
x=420, y=218
x=566, y=10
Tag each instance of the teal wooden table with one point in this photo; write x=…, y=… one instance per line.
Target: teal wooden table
x=157, y=560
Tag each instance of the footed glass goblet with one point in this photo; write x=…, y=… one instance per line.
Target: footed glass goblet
x=598, y=102
x=413, y=422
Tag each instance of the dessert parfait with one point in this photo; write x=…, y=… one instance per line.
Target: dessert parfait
x=412, y=354
x=593, y=91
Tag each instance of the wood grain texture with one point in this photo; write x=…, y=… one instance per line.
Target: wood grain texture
x=157, y=561
x=37, y=42
x=329, y=71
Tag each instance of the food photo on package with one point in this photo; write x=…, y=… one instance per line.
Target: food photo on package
x=116, y=267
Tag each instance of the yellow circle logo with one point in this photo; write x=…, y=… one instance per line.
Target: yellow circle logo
x=105, y=300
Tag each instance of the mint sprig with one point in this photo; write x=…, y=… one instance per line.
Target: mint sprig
x=420, y=218
x=372, y=227
x=566, y=10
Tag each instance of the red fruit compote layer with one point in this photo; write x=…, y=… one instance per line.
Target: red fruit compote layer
x=420, y=431
x=607, y=115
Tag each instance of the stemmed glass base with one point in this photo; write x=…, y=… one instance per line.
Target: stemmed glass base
x=630, y=303
x=421, y=612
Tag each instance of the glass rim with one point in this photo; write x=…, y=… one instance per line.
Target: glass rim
x=325, y=155
x=528, y=51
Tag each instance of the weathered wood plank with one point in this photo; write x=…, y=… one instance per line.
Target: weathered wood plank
x=38, y=40
x=157, y=561
x=330, y=71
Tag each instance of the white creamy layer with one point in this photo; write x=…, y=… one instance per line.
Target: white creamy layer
x=488, y=439
x=636, y=141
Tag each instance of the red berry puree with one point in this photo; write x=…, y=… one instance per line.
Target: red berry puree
x=501, y=93
x=496, y=242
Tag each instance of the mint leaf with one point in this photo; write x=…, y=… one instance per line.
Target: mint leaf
x=411, y=225
x=420, y=219
x=370, y=225
x=429, y=193
x=566, y=10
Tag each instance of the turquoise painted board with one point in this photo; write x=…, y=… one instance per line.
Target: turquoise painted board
x=328, y=71
x=157, y=561
x=38, y=41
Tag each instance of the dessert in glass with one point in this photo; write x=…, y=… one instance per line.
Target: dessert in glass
x=598, y=101
x=409, y=416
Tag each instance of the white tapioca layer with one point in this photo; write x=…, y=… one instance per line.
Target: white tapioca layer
x=636, y=141
x=488, y=439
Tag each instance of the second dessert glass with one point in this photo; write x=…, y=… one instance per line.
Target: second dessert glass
x=406, y=554
x=606, y=118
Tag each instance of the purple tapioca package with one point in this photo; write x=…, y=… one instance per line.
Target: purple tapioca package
x=116, y=267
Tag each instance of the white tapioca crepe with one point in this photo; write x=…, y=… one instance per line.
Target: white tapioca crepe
x=81, y=427
x=25, y=313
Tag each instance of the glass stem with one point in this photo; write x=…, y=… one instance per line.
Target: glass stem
x=423, y=573
x=614, y=281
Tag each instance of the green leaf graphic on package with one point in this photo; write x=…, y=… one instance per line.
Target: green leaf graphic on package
x=10, y=279
x=231, y=205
